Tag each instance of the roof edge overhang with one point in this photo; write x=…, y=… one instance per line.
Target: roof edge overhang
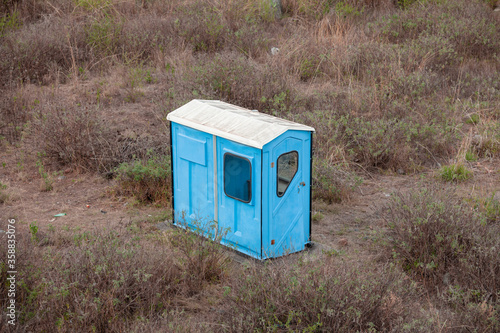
x=276, y=130
x=219, y=133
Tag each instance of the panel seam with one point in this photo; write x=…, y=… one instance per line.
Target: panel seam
x=216, y=189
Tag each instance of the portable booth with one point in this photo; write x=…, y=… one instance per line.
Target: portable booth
x=247, y=171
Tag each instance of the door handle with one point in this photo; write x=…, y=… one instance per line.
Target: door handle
x=298, y=187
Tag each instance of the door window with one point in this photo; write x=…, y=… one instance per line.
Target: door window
x=237, y=177
x=287, y=166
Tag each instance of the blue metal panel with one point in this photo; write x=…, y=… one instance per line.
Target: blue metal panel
x=241, y=219
x=193, y=175
x=194, y=149
x=286, y=220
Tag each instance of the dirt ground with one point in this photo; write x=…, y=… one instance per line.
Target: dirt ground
x=352, y=226
x=87, y=200
x=90, y=203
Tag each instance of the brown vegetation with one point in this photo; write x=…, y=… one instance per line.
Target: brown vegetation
x=452, y=249
x=391, y=86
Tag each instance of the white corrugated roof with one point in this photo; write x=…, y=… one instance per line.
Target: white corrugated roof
x=232, y=122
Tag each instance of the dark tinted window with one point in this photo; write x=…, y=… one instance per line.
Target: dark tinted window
x=237, y=177
x=287, y=166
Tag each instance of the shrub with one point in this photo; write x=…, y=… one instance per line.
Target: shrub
x=488, y=144
x=7, y=5
x=307, y=297
x=439, y=240
x=201, y=257
x=455, y=172
x=389, y=143
x=144, y=35
x=309, y=9
x=468, y=25
x=50, y=50
x=481, y=85
x=434, y=53
x=235, y=79
x=404, y=3
x=204, y=28
x=71, y=135
x=16, y=111
x=149, y=181
x=411, y=90
x=98, y=282
x=103, y=35
x=77, y=135
x=332, y=183
x=308, y=60
x=47, y=183
x=489, y=206
x=38, y=53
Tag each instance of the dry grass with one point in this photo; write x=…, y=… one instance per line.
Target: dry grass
x=307, y=297
x=93, y=282
x=17, y=109
x=383, y=92
x=104, y=281
x=441, y=241
x=70, y=135
x=388, y=85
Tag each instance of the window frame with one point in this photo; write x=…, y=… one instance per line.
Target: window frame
x=277, y=173
x=250, y=194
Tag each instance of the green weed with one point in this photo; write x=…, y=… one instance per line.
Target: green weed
x=34, y=231
x=9, y=22
x=232, y=78
x=103, y=35
x=470, y=156
x=47, y=179
x=473, y=119
x=489, y=206
x=459, y=26
x=204, y=29
x=317, y=217
x=4, y=196
x=344, y=8
x=136, y=77
x=148, y=181
x=94, y=5
x=455, y=173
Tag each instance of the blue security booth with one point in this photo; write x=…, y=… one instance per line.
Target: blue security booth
x=248, y=172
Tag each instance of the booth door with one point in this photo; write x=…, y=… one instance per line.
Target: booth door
x=193, y=177
x=289, y=197
x=239, y=196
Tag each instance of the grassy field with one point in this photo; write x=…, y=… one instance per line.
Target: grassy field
x=405, y=99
